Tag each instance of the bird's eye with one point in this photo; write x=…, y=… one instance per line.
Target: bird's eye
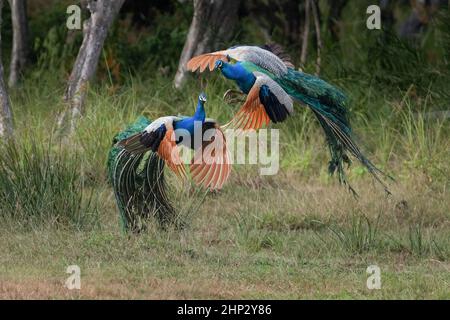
x=219, y=64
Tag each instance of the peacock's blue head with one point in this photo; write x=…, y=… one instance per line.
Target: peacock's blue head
x=227, y=69
x=233, y=71
x=219, y=64
x=202, y=98
x=200, y=109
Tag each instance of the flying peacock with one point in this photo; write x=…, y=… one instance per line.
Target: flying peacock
x=267, y=75
x=139, y=153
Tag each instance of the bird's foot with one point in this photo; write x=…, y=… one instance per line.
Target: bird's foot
x=233, y=97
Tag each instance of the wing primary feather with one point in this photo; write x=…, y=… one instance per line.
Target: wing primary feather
x=205, y=60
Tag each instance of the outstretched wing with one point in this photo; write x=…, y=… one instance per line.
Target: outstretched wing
x=159, y=137
x=261, y=57
x=206, y=60
x=278, y=50
x=210, y=167
x=168, y=151
x=266, y=101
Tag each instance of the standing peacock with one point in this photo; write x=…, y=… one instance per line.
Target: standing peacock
x=138, y=155
x=270, y=81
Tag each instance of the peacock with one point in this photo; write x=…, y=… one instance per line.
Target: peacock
x=268, y=77
x=139, y=154
x=138, y=182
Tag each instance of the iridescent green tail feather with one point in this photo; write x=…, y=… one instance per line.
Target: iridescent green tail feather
x=138, y=182
x=329, y=106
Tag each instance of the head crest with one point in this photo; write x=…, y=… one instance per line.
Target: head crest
x=202, y=97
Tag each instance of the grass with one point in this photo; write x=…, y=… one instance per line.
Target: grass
x=37, y=183
x=240, y=245
x=297, y=234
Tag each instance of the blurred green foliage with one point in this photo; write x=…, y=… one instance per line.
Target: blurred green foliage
x=146, y=42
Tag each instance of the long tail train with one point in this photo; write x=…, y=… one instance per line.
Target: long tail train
x=329, y=106
x=138, y=182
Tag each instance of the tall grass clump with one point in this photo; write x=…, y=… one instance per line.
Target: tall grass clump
x=43, y=183
x=359, y=236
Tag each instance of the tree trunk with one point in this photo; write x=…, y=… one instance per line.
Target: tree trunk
x=334, y=18
x=95, y=30
x=316, y=16
x=212, y=26
x=6, y=124
x=422, y=12
x=305, y=36
x=387, y=14
x=19, y=53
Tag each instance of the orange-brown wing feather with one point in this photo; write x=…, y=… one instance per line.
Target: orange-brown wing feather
x=252, y=114
x=168, y=151
x=205, y=60
x=211, y=166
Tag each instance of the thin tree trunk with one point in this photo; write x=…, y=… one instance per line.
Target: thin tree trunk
x=387, y=14
x=334, y=18
x=6, y=123
x=95, y=30
x=212, y=25
x=315, y=11
x=19, y=53
x=305, y=34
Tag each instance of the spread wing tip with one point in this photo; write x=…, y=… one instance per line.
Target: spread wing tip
x=204, y=61
x=133, y=144
x=210, y=170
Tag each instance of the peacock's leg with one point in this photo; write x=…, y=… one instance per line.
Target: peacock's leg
x=232, y=96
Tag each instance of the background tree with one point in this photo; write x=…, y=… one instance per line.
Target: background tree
x=311, y=11
x=419, y=18
x=212, y=26
x=334, y=17
x=277, y=17
x=6, y=124
x=95, y=30
x=19, y=52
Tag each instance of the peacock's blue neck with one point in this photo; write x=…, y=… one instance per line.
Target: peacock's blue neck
x=200, y=113
x=244, y=78
x=188, y=123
